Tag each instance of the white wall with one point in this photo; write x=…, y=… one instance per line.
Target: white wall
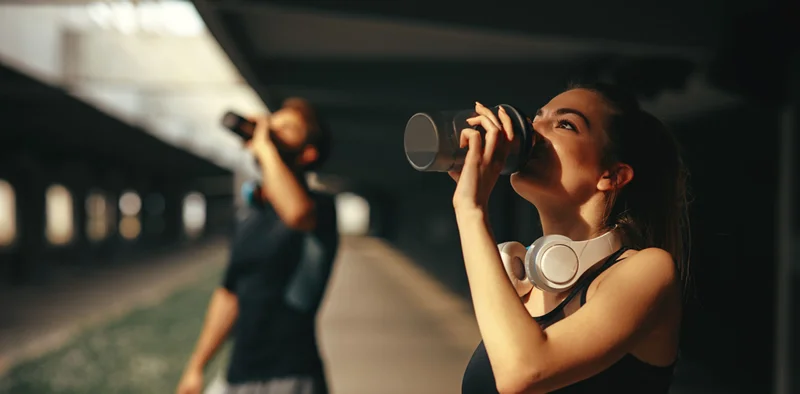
x=153, y=65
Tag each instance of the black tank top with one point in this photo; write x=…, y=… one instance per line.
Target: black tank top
x=628, y=375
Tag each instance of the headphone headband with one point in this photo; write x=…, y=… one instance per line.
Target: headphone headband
x=554, y=263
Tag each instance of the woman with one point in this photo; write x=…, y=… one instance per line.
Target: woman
x=602, y=164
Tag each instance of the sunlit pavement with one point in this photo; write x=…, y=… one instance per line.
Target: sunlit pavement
x=389, y=328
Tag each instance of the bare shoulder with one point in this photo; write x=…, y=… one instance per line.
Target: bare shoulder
x=652, y=268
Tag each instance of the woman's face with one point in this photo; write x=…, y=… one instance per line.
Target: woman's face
x=567, y=168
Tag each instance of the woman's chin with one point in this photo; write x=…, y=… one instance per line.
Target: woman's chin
x=531, y=186
x=525, y=176
x=524, y=183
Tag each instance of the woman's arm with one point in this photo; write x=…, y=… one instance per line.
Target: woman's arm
x=526, y=359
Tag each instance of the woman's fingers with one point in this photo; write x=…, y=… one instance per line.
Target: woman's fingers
x=471, y=139
x=482, y=110
x=489, y=148
x=492, y=142
x=506, y=123
x=455, y=175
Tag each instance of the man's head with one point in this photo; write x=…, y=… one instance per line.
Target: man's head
x=299, y=134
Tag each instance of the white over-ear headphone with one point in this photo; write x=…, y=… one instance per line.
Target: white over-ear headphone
x=554, y=263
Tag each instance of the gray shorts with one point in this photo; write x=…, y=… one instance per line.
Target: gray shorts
x=291, y=385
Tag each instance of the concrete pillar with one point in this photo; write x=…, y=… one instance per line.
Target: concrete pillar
x=794, y=290
x=152, y=216
x=29, y=264
x=78, y=180
x=132, y=245
x=382, y=206
x=787, y=343
x=9, y=253
x=173, y=208
x=219, y=199
x=112, y=184
x=95, y=249
x=180, y=188
x=148, y=186
x=382, y=213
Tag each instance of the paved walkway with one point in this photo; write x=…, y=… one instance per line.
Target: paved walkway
x=39, y=319
x=387, y=327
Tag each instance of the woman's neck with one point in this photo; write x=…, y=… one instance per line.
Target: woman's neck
x=579, y=223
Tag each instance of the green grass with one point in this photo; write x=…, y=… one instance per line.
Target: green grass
x=142, y=352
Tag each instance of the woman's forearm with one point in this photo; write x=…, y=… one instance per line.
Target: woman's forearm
x=509, y=333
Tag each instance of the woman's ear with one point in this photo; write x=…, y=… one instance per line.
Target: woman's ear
x=617, y=177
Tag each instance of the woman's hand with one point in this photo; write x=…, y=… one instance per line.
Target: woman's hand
x=486, y=156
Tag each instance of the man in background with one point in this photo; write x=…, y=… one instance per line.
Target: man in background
x=281, y=258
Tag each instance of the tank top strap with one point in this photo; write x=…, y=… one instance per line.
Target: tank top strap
x=583, y=284
x=613, y=259
x=555, y=313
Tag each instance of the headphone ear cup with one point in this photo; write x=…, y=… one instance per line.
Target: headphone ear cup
x=531, y=268
x=513, y=255
x=535, y=265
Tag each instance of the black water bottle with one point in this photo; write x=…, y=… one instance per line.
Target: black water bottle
x=239, y=125
x=432, y=139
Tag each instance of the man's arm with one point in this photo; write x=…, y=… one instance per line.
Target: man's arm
x=222, y=312
x=284, y=192
x=282, y=189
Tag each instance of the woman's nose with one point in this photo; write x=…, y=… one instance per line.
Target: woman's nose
x=538, y=125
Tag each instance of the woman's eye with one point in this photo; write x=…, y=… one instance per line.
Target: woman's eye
x=567, y=125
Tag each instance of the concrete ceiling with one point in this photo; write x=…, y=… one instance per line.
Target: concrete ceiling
x=171, y=81
x=40, y=117
x=369, y=65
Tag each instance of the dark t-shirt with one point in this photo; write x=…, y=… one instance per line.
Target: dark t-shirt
x=279, y=276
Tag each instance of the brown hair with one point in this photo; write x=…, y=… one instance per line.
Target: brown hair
x=652, y=209
x=318, y=133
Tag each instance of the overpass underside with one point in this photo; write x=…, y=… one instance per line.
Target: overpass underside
x=83, y=188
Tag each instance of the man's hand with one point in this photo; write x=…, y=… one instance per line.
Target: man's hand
x=191, y=382
x=282, y=189
x=261, y=144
